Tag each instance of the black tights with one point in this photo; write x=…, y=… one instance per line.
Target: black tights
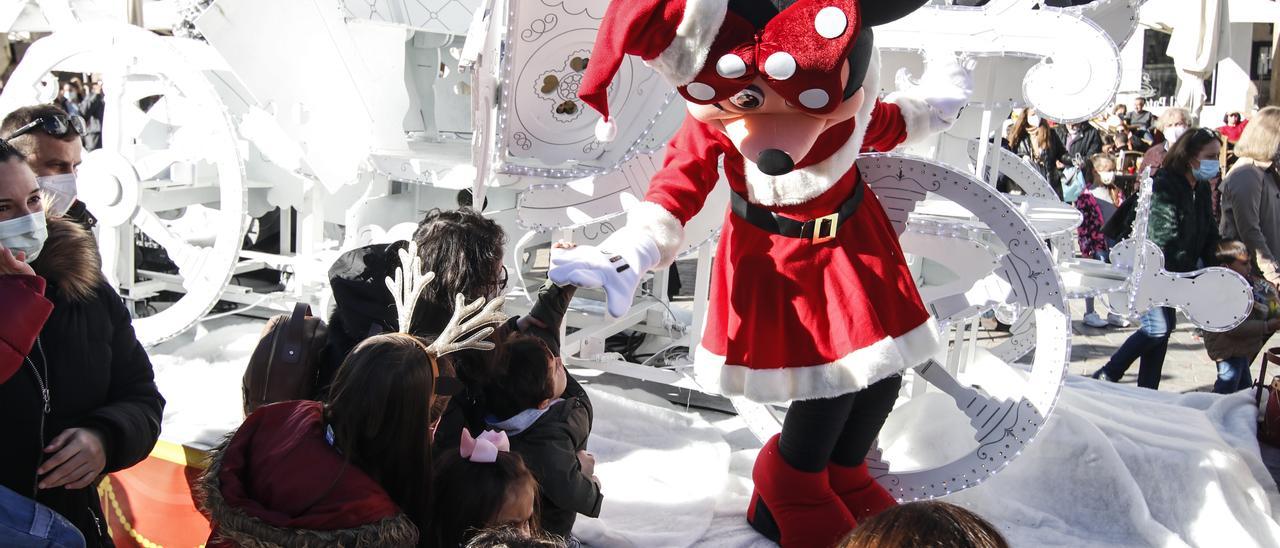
x=839, y=430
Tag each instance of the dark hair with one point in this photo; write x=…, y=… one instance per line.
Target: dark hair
x=379, y=409
x=1187, y=147
x=464, y=249
x=26, y=144
x=1229, y=251
x=933, y=523
x=1226, y=118
x=474, y=494
x=523, y=380
x=507, y=536
x=9, y=152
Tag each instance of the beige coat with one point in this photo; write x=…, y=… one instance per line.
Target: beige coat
x=1251, y=212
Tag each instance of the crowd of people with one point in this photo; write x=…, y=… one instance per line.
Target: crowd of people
x=488, y=447
x=393, y=448
x=1215, y=202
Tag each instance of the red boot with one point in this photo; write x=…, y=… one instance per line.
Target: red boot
x=794, y=508
x=862, y=494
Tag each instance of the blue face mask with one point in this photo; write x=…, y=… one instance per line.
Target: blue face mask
x=1208, y=170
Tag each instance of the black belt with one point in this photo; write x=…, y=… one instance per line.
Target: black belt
x=818, y=230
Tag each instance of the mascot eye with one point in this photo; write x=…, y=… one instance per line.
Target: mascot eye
x=750, y=98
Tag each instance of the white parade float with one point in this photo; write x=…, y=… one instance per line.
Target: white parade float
x=361, y=115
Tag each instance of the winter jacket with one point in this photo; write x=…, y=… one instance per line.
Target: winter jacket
x=551, y=443
x=474, y=368
x=276, y=482
x=549, y=447
x=1045, y=162
x=1182, y=222
x=1154, y=157
x=1251, y=212
x=98, y=377
x=1086, y=143
x=27, y=310
x=1251, y=336
x=363, y=306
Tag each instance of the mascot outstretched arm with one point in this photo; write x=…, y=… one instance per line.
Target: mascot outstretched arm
x=811, y=298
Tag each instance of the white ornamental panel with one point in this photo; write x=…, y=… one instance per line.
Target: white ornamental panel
x=543, y=123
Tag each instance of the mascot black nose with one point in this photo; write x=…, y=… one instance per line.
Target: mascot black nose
x=775, y=162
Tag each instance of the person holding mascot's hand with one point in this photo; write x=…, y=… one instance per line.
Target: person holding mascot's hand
x=811, y=299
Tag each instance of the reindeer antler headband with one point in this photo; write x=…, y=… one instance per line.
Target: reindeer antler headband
x=476, y=318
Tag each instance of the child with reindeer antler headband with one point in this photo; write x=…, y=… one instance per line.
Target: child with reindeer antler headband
x=355, y=469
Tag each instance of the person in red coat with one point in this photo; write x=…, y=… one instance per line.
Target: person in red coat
x=352, y=471
x=811, y=299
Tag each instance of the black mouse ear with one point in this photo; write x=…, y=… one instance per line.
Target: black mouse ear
x=879, y=12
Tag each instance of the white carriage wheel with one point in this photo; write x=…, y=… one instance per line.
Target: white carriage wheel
x=1002, y=427
x=129, y=180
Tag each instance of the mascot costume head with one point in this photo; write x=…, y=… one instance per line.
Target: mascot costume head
x=811, y=299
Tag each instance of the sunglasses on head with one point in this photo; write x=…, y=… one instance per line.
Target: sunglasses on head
x=55, y=125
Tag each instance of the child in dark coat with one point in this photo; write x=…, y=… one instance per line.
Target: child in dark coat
x=547, y=416
x=1234, y=350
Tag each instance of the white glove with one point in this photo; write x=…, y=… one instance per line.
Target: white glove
x=945, y=86
x=617, y=265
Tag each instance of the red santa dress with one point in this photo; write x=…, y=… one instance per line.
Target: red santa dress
x=791, y=319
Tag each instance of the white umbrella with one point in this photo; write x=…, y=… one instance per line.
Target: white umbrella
x=1199, y=41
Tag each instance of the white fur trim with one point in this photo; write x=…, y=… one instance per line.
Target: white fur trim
x=684, y=58
x=803, y=185
x=851, y=373
x=918, y=115
x=666, y=230
x=606, y=130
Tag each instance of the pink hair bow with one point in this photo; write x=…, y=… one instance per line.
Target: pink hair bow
x=485, y=447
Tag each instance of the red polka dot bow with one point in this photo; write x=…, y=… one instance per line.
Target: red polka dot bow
x=800, y=53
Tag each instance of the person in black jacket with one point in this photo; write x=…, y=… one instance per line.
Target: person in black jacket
x=547, y=416
x=1081, y=140
x=1030, y=137
x=85, y=401
x=1183, y=226
x=363, y=306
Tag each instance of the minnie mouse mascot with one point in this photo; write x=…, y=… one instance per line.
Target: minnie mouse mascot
x=811, y=299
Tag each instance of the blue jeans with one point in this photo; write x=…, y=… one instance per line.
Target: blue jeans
x=1233, y=376
x=1149, y=343
x=25, y=523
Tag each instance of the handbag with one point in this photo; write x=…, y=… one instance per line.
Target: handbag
x=1072, y=184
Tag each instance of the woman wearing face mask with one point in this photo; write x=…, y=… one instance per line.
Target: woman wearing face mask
x=1173, y=124
x=82, y=401
x=1030, y=137
x=1182, y=225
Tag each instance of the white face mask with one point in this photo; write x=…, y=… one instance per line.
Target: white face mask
x=1034, y=120
x=1107, y=177
x=25, y=234
x=62, y=193
x=1173, y=133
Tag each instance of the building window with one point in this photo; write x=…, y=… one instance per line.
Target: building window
x=1260, y=65
x=1160, y=78
x=1157, y=68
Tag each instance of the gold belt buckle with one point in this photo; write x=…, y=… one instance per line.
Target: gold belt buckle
x=830, y=223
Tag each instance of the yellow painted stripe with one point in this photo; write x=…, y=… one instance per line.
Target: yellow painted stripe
x=181, y=455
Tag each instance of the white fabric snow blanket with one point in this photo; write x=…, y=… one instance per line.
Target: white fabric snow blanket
x=1115, y=465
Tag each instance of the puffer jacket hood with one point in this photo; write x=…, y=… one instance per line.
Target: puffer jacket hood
x=276, y=482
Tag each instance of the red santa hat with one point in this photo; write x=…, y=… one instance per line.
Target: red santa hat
x=672, y=36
